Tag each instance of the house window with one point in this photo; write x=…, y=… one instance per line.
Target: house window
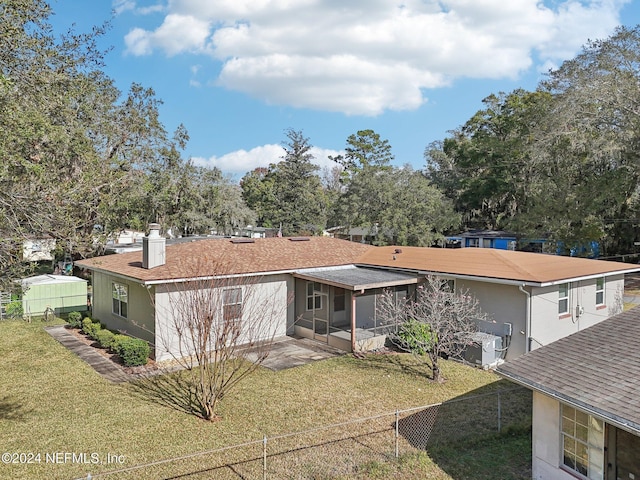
x=120, y=297
x=600, y=291
x=314, y=298
x=582, y=443
x=232, y=304
x=563, y=298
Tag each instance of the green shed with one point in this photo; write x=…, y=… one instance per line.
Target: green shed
x=62, y=293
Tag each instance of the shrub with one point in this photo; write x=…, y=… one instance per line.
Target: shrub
x=75, y=319
x=416, y=337
x=117, y=341
x=14, y=309
x=134, y=352
x=91, y=328
x=105, y=338
x=87, y=326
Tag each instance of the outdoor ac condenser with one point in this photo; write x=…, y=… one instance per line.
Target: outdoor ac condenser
x=485, y=351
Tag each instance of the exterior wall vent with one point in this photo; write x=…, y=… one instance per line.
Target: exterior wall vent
x=243, y=240
x=299, y=239
x=153, y=248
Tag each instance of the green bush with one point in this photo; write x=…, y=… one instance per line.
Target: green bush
x=105, y=338
x=14, y=309
x=87, y=325
x=91, y=328
x=416, y=337
x=134, y=352
x=118, y=339
x=75, y=319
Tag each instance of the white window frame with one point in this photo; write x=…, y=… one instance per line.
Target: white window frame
x=232, y=299
x=314, y=297
x=600, y=291
x=582, y=443
x=564, y=299
x=120, y=297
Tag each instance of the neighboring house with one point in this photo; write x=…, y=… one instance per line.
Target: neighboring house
x=483, y=239
x=38, y=249
x=586, y=401
x=533, y=299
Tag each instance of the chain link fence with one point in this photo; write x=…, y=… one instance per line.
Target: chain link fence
x=340, y=450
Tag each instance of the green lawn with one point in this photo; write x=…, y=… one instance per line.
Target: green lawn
x=53, y=403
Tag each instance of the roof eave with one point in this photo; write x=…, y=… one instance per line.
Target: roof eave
x=624, y=424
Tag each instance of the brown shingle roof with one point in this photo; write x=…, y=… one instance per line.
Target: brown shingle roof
x=596, y=369
x=224, y=257
x=534, y=268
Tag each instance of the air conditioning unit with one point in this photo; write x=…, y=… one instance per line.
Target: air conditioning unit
x=485, y=350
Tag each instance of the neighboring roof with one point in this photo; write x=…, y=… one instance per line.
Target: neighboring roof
x=485, y=234
x=502, y=265
x=232, y=257
x=357, y=278
x=49, y=280
x=596, y=369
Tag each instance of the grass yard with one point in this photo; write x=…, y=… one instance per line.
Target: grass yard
x=53, y=403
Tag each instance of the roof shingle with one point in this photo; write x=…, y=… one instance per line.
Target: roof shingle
x=224, y=257
x=535, y=268
x=597, y=368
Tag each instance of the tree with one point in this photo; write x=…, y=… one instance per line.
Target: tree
x=290, y=192
x=73, y=153
x=591, y=139
x=438, y=322
x=218, y=330
x=486, y=166
x=399, y=205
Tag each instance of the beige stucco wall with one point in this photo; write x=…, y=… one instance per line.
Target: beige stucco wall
x=140, y=319
x=503, y=304
x=268, y=297
x=548, y=326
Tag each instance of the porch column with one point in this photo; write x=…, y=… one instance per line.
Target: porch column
x=353, y=321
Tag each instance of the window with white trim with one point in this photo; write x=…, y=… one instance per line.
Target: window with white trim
x=232, y=304
x=314, y=297
x=563, y=298
x=582, y=443
x=600, y=291
x=120, y=299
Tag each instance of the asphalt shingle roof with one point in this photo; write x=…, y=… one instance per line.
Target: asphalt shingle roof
x=535, y=268
x=597, y=368
x=226, y=257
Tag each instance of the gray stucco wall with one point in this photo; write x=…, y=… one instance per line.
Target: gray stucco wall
x=503, y=304
x=548, y=326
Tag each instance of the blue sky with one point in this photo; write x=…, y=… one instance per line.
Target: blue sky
x=238, y=73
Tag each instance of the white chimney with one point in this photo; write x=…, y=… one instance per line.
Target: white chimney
x=153, y=248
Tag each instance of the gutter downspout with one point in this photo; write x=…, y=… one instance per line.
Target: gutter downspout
x=527, y=317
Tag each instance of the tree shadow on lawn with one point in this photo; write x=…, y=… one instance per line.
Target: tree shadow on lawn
x=484, y=431
x=12, y=410
x=170, y=390
x=394, y=362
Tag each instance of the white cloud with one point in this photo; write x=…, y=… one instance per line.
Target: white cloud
x=365, y=57
x=241, y=161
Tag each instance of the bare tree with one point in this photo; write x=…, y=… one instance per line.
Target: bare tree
x=438, y=322
x=218, y=330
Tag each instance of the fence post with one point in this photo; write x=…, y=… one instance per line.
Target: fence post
x=264, y=458
x=397, y=430
x=499, y=413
